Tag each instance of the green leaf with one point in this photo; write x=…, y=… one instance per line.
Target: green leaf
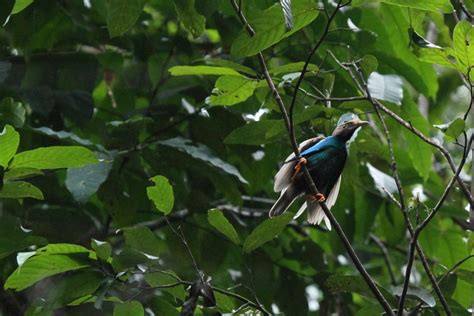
x=12, y=112
x=430, y=5
x=192, y=21
x=83, y=182
x=102, y=248
x=62, y=249
x=266, y=231
x=421, y=294
x=454, y=128
x=14, y=238
x=202, y=71
x=420, y=153
x=131, y=308
x=293, y=67
x=39, y=267
x=21, y=5
x=55, y=157
x=161, y=194
x=143, y=240
x=123, y=14
x=217, y=219
x=9, y=141
x=230, y=90
x=203, y=153
x=156, y=279
x=440, y=56
x=252, y=133
x=270, y=27
x=63, y=135
x=20, y=190
x=463, y=42
x=21, y=173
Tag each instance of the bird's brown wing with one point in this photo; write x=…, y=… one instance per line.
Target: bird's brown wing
x=283, y=176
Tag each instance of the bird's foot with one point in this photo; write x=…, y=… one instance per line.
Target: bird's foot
x=318, y=197
x=299, y=165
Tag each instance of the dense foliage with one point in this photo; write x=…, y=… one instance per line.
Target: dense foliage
x=140, y=140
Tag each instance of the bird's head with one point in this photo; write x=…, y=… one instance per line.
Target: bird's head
x=347, y=129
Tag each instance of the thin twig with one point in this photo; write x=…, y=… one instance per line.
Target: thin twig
x=309, y=181
x=386, y=257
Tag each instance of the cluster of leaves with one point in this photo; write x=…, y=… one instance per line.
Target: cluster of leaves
x=149, y=140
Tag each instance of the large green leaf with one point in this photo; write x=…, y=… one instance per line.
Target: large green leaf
x=463, y=42
x=9, y=141
x=123, y=14
x=55, y=157
x=20, y=5
x=203, y=153
x=217, y=219
x=266, y=231
x=161, y=194
x=230, y=90
x=202, y=70
x=191, y=19
x=252, y=133
x=20, y=190
x=430, y=5
x=270, y=27
x=131, y=308
x=39, y=267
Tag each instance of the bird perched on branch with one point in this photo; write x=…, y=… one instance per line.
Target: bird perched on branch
x=325, y=159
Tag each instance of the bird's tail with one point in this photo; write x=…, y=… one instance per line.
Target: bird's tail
x=284, y=201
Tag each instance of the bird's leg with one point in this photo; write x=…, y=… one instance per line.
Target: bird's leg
x=298, y=167
x=318, y=197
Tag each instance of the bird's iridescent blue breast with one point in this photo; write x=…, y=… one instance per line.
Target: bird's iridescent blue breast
x=326, y=143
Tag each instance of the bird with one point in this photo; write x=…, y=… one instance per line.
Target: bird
x=325, y=158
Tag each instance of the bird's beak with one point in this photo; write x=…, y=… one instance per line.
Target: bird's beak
x=357, y=123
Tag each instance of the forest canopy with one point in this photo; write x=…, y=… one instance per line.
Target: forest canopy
x=140, y=139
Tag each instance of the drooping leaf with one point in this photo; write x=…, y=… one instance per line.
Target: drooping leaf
x=61, y=249
x=203, y=153
x=266, y=231
x=463, y=42
x=230, y=90
x=122, y=15
x=386, y=87
x=63, y=135
x=131, y=308
x=39, y=267
x=20, y=190
x=454, y=128
x=217, y=219
x=421, y=294
x=12, y=112
x=191, y=19
x=202, y=70
x=270, y=28
x=161, y=194
x=9, y=141
x=54, y=157
x=432, y=5
x=83, y=182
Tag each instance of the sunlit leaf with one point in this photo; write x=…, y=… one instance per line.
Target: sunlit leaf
x=230, y=90
x=161, y=194
x=54, y=157
x=131, y=308
x=191, y=19
x=20, y=190
x=9, y=141
x=39, y=267
x=202, y=70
